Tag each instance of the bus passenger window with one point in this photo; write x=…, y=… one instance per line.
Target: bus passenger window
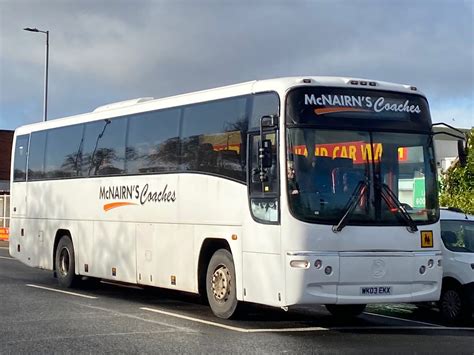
x=21, y=151
x=104, y=147
x=36, y=155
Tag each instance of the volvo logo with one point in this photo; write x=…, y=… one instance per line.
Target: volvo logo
x=378, y=268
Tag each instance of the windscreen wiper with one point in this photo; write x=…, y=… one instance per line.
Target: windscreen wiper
x=351, y=205
x=387, y=195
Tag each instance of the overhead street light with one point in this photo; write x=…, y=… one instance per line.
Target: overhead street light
x=45, y=114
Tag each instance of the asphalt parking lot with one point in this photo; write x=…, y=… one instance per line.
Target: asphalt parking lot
x=37, y=316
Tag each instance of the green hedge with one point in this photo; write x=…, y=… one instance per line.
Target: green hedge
x=457, y=183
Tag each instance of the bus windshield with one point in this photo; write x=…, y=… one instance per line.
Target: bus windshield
x=379, y=173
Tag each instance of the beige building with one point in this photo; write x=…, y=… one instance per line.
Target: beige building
x=446, y=147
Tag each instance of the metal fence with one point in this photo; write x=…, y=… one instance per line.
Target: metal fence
x=4, y=211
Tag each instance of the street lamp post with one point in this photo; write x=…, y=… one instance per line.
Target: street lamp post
x=45, y=114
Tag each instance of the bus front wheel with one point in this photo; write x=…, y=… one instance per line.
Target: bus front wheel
x=65, y=262
x=345, y=310
x=220, y=284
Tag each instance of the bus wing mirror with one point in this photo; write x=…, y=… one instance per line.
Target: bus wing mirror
x=269, y=121
x=265, y=154
x=462, y=154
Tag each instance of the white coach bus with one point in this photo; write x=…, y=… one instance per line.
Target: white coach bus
x=290, y=191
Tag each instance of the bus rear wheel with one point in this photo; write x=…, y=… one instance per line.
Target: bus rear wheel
x=65, y=263
x=220, y=284
x=345, y=311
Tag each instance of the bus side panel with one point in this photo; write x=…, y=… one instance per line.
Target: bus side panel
x=18, y=199
x=145, y=240
x=263, y=278
x=209, y=200
x=262, y=263
x=83, y=239
x=17, y=222
x=24, y=242
x=165, y=256
x=114, y=254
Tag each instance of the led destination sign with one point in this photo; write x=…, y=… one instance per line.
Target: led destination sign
x=357, y=108
x=346, y=103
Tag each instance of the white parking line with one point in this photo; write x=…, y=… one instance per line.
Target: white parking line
x=405, y=320
x=311, y=329
x=6, y=257
x=236, y=329
x=61, y=291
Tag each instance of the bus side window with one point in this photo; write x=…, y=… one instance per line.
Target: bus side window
x=271, y=182
x=104, y=147
x=264, y=201
x=36, y=155
x=213, y=137
x=21, y=152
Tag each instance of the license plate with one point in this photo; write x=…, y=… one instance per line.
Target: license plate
x=376, y=291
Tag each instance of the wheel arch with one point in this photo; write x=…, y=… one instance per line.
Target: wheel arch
x=59, y=234
x=208, y=247
x=451, y=282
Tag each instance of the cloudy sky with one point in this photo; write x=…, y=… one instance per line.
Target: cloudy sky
x=103, y=51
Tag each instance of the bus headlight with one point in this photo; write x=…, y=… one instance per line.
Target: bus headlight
x=300, y=264
x=430, y=263
x=328, y=270
x=422, y=269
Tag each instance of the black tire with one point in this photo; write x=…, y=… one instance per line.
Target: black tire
x=345, y=311
x=454, y=305
x=220, y=284
x=64, y=262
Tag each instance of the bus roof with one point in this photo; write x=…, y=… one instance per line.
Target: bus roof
x=280, y=85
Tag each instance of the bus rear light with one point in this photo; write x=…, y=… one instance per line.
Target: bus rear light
x=234, y=236
x=354, y=82
x=328, y=270
x=440, y=262
x=300, y=264
x=364, y=83
x=18, y=247
x=413, y=88
x=318, y=264
x=430, y=263
x=372, y=83
x=422, y=269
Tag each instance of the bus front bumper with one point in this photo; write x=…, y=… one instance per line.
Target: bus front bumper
x=362, y=277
